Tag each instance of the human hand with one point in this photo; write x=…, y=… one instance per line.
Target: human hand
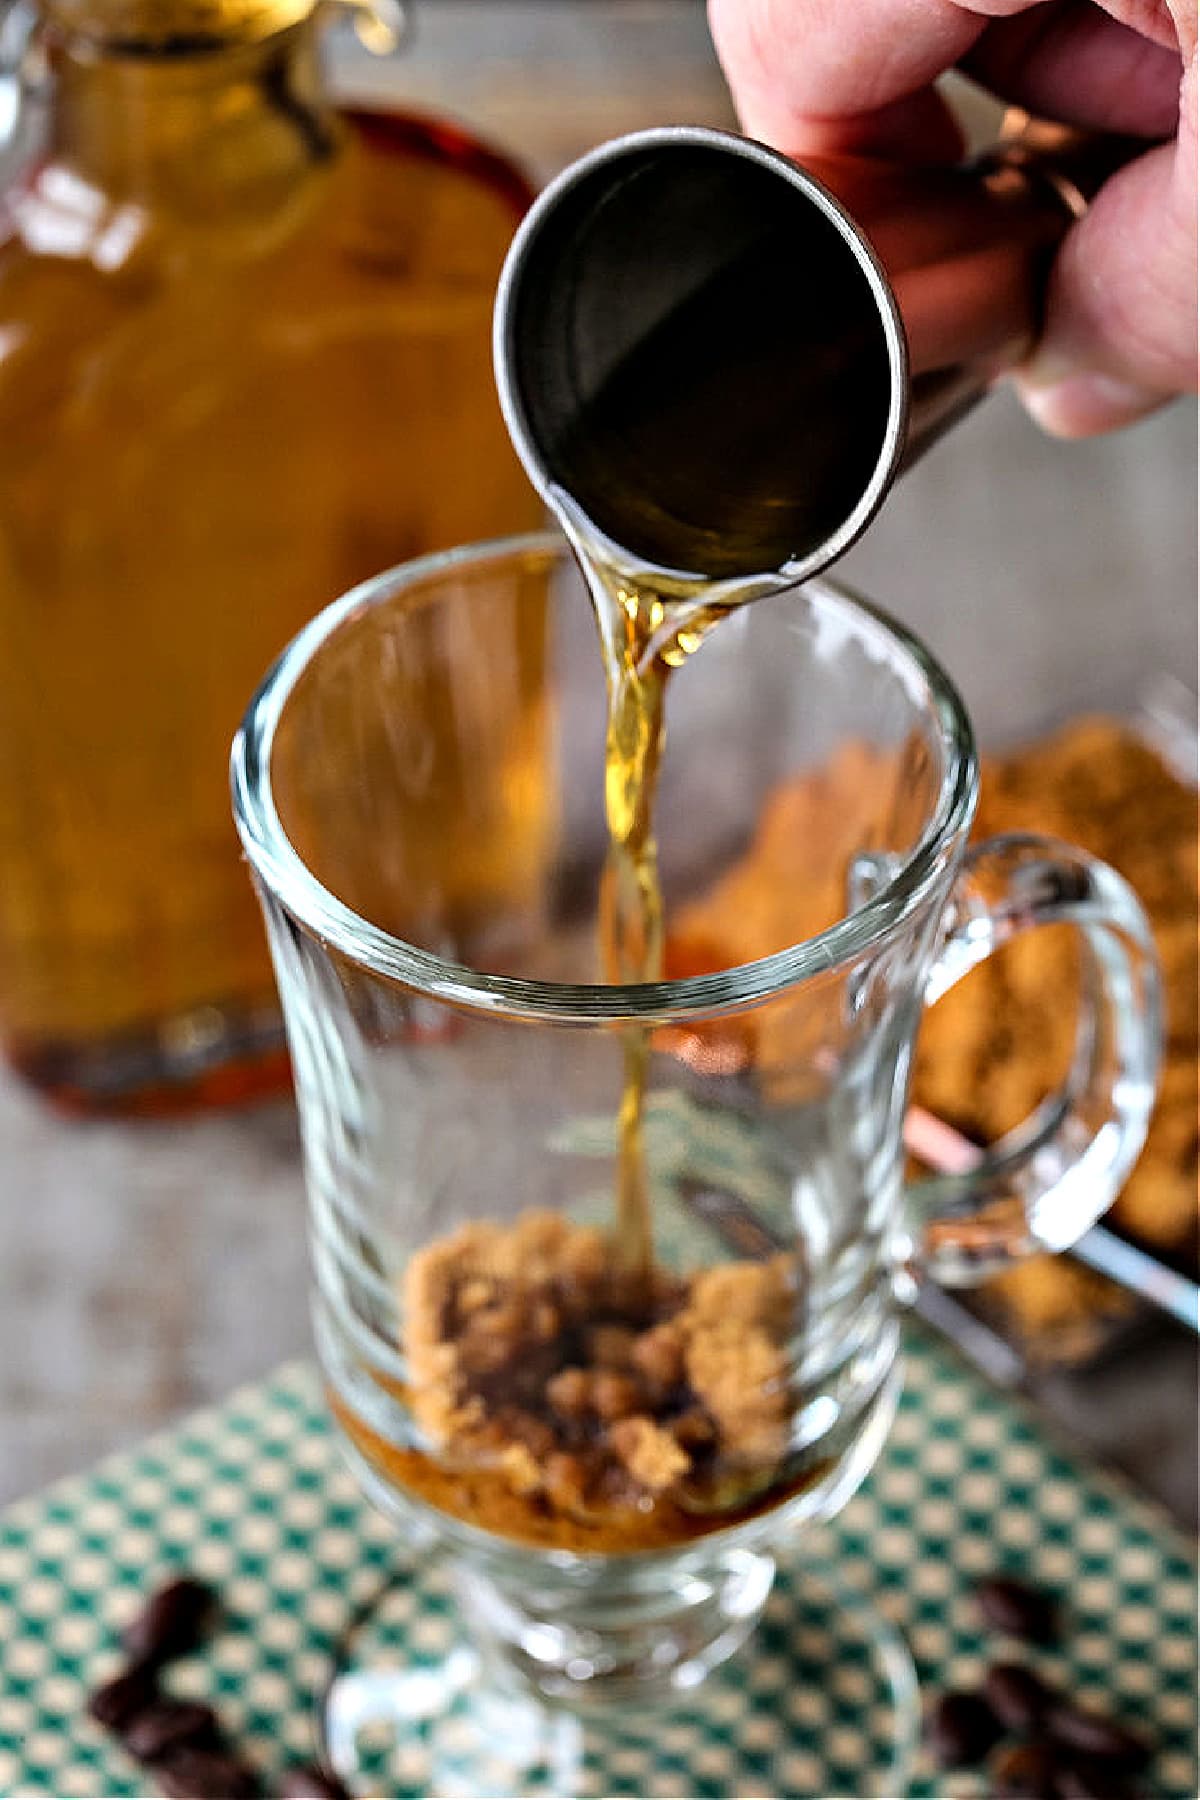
x=813, y=76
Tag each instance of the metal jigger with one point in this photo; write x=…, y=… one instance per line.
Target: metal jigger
x=721, y=360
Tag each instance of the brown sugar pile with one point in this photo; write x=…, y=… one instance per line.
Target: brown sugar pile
x=790, y=885
x=1000, y=1041
x=564, y=1399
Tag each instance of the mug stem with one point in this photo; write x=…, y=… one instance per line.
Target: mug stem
x=634, y=1638
x=429, y=1697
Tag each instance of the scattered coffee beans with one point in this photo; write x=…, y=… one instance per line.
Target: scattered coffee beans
x=310, y=1782
x=1017, y=1696
x=1081, y=1756
x=1018, y=1609
x=961, y=1729
x=1064, y=1751
x=180, y=1740
x=172, y=1621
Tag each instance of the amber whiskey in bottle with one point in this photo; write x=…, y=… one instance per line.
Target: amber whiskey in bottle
x=244, y=363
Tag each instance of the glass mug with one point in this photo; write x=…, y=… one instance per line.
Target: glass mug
x=610, y=1456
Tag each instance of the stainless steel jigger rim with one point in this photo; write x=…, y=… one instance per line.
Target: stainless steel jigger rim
x=504, y=359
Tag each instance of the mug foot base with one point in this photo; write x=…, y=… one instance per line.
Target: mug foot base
x=821, y=1699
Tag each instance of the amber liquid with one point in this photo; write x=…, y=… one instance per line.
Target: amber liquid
x=478, y=1498
x=218, y=410
x=645, y=633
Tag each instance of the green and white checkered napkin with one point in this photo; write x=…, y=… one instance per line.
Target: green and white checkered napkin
x=252, y=1495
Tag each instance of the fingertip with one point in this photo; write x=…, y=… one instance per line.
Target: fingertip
x=1087, y=404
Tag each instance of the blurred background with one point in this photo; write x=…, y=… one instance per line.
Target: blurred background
x=150, y=1266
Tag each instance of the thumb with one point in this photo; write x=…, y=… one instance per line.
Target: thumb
x=1120, y=330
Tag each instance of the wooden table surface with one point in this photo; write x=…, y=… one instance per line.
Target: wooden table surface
x=148, y=1268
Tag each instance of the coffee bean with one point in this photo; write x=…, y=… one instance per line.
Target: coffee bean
x=171, y=1622
x=168, y=1725
x=205, y=1775
x=311, y=1782
x=1026, y=1772
x=1089, y=1778
x=1017, y=1696
x=1018, y=1609
x=1093, y=1735
x=961, y=1729
x=116, y=1702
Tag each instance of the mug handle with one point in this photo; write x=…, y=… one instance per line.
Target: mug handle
x=1041, y=1186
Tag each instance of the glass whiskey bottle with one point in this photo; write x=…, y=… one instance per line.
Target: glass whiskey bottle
x=244, y=363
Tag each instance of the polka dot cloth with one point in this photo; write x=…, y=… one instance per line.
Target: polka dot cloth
x=252, y=1495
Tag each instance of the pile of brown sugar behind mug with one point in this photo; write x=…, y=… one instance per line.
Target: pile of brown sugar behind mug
x=1056, y=1749
x=180, y=1741
x=995, y=1047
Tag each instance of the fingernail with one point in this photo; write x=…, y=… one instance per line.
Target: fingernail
x=1085, y=405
